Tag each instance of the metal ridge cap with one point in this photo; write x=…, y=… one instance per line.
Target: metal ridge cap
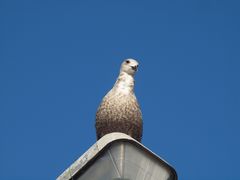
x=99, y=146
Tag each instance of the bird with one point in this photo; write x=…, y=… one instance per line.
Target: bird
x=119, y=110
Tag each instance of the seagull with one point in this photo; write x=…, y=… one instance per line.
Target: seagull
x=119, y=110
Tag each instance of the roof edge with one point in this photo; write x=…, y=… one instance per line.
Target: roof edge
x=93, y=151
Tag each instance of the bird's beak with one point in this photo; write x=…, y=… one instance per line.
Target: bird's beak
x=135, y=67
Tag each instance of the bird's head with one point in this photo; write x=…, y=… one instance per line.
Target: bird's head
x=129, y=66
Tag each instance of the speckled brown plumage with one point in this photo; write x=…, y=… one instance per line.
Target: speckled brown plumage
x=119, y=110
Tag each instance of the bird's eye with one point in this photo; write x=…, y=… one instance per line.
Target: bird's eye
x=127, y=61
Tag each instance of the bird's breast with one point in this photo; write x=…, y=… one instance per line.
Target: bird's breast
x=118, y=107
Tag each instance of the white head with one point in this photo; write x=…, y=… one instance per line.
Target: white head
x=129, y=66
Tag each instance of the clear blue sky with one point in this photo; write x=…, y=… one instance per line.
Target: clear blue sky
x=58, y=58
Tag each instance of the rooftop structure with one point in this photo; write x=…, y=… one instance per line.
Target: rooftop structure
x=117, y=156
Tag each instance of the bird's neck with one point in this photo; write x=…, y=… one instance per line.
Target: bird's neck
x=124, y=83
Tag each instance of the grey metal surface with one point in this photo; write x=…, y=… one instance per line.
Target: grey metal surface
x=118, y=156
